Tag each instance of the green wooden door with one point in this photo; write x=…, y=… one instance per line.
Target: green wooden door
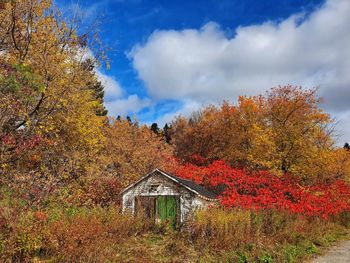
x=167, y=209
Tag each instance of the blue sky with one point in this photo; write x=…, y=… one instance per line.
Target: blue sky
x=172, y=57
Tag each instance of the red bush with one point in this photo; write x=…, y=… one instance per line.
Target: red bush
x=260, y=189
x=40, y=216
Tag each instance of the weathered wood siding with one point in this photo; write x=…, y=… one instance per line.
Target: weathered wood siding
x=156, y=185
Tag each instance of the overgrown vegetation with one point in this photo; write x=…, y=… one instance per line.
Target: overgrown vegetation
x=282, y=182
x=80, y=234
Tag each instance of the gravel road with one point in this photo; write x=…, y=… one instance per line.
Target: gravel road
x=337, y=254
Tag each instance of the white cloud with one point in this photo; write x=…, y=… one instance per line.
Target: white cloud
x=115, y=100
x=207, y=66
x=125, y=106
x=113, y=90
x=114, y=97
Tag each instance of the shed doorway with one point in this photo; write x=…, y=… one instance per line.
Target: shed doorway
x=164, y=208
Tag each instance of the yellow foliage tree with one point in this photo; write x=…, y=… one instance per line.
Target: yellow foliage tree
x=62, y=110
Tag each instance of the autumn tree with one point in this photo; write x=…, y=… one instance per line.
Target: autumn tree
x=132, y=151
x=218, y=133
x=284, y=131
x=47, y=101
x=299, y=129
x=19, y=88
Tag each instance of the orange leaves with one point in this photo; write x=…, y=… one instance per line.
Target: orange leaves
x=40, y=216
x=281, y=131
x=132, y=150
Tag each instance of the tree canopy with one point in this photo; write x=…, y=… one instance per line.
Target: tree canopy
x=284, y=131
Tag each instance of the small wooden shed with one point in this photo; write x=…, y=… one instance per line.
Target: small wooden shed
x=162, y=196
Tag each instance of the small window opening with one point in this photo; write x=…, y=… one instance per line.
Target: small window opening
x=153, y=188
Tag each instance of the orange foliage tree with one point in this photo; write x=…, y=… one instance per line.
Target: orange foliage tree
x=132, y=150
x=284, y=131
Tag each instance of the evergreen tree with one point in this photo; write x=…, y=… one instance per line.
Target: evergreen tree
x=154, y=128
x=129, y=120
x=96, y=87
x=166, y=131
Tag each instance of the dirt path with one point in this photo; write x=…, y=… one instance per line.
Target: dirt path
x=337, y=254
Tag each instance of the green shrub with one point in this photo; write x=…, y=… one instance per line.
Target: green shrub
x=291, y=253
x=265, y=258
x=242, y=258
x=312, y=249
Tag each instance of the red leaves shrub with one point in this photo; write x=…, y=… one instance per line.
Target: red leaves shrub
x=20, y=143
x=262, y=190
x=40, y=216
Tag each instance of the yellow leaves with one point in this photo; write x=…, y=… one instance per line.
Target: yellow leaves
x=4, y=166
x=64, y=112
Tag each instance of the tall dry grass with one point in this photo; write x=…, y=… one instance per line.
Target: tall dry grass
x=75, y=235
x=261, y=236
